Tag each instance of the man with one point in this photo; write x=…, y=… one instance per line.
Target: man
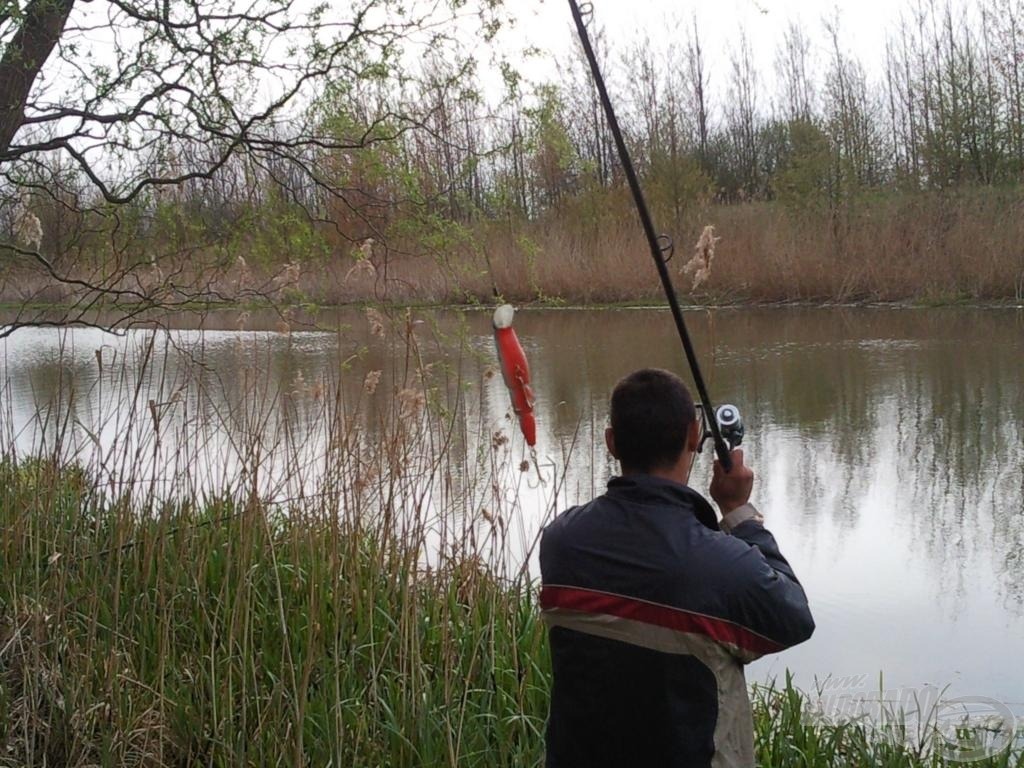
x=653, y=606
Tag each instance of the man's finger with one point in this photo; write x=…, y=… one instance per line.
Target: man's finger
x=736, y=454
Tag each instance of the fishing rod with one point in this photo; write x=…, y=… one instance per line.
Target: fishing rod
x=661, y=251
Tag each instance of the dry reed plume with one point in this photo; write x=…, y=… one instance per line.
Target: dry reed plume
x=703, y=255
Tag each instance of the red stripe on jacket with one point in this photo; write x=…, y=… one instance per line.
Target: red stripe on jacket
x=720, y=630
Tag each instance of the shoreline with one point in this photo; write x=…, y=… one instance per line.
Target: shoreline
x=312, y=307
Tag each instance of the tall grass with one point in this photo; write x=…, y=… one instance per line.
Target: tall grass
x=234, y=634
x=348, y=597
x=342, y=597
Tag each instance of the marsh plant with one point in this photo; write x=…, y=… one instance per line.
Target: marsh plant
x=703, y=254
x=200, y=569
x=225, y=575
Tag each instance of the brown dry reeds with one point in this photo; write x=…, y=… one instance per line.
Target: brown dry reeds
x=935, y=247
x=910, y=247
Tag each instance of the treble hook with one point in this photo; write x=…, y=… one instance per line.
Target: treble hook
x=666, y=244
x=541, y=480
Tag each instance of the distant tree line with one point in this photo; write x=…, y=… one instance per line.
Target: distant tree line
x=816, y=136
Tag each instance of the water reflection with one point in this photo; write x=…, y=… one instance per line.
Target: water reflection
x=888, y=443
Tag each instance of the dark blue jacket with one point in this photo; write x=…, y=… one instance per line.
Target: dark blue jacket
x=652, y=612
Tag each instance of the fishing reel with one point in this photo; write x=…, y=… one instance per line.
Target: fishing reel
x=730, y=425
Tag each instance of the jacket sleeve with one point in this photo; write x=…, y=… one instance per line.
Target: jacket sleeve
x=762, y=593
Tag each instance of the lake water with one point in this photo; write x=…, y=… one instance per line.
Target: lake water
x=888, y=444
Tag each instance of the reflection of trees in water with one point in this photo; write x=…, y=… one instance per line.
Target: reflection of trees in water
x=847, y=399
x=932, y=393
x=966, y=457
x=1007, y=532
x=292, y=416
x=67, y=390
x=1009, y=528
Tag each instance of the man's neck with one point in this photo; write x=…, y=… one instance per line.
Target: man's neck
x=678, y=473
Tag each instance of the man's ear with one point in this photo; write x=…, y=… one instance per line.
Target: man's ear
x=693, y=436
x=609, y=441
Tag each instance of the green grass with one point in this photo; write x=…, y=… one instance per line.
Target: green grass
x=787, y=736
x=233, y=634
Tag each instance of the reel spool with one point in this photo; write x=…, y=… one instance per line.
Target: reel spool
x=730, y=424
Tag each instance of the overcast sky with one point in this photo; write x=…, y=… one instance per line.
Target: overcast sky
x=864, y=24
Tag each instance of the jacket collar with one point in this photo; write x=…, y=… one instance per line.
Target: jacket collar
x=648, y=489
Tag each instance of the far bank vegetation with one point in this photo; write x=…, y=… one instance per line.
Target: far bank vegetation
x=827, y=179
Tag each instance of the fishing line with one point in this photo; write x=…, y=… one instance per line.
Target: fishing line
x=661, y=246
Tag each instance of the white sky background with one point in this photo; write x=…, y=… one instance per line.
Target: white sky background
x=547, y=25
x=864, y=24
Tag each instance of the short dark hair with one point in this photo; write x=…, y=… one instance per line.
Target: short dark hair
x=651, y=413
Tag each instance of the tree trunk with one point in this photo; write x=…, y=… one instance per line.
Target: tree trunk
x=41, y=28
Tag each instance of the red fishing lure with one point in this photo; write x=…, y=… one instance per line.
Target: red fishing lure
x=515, y=371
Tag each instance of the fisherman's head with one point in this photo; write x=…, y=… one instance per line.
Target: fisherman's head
x=654, y=428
